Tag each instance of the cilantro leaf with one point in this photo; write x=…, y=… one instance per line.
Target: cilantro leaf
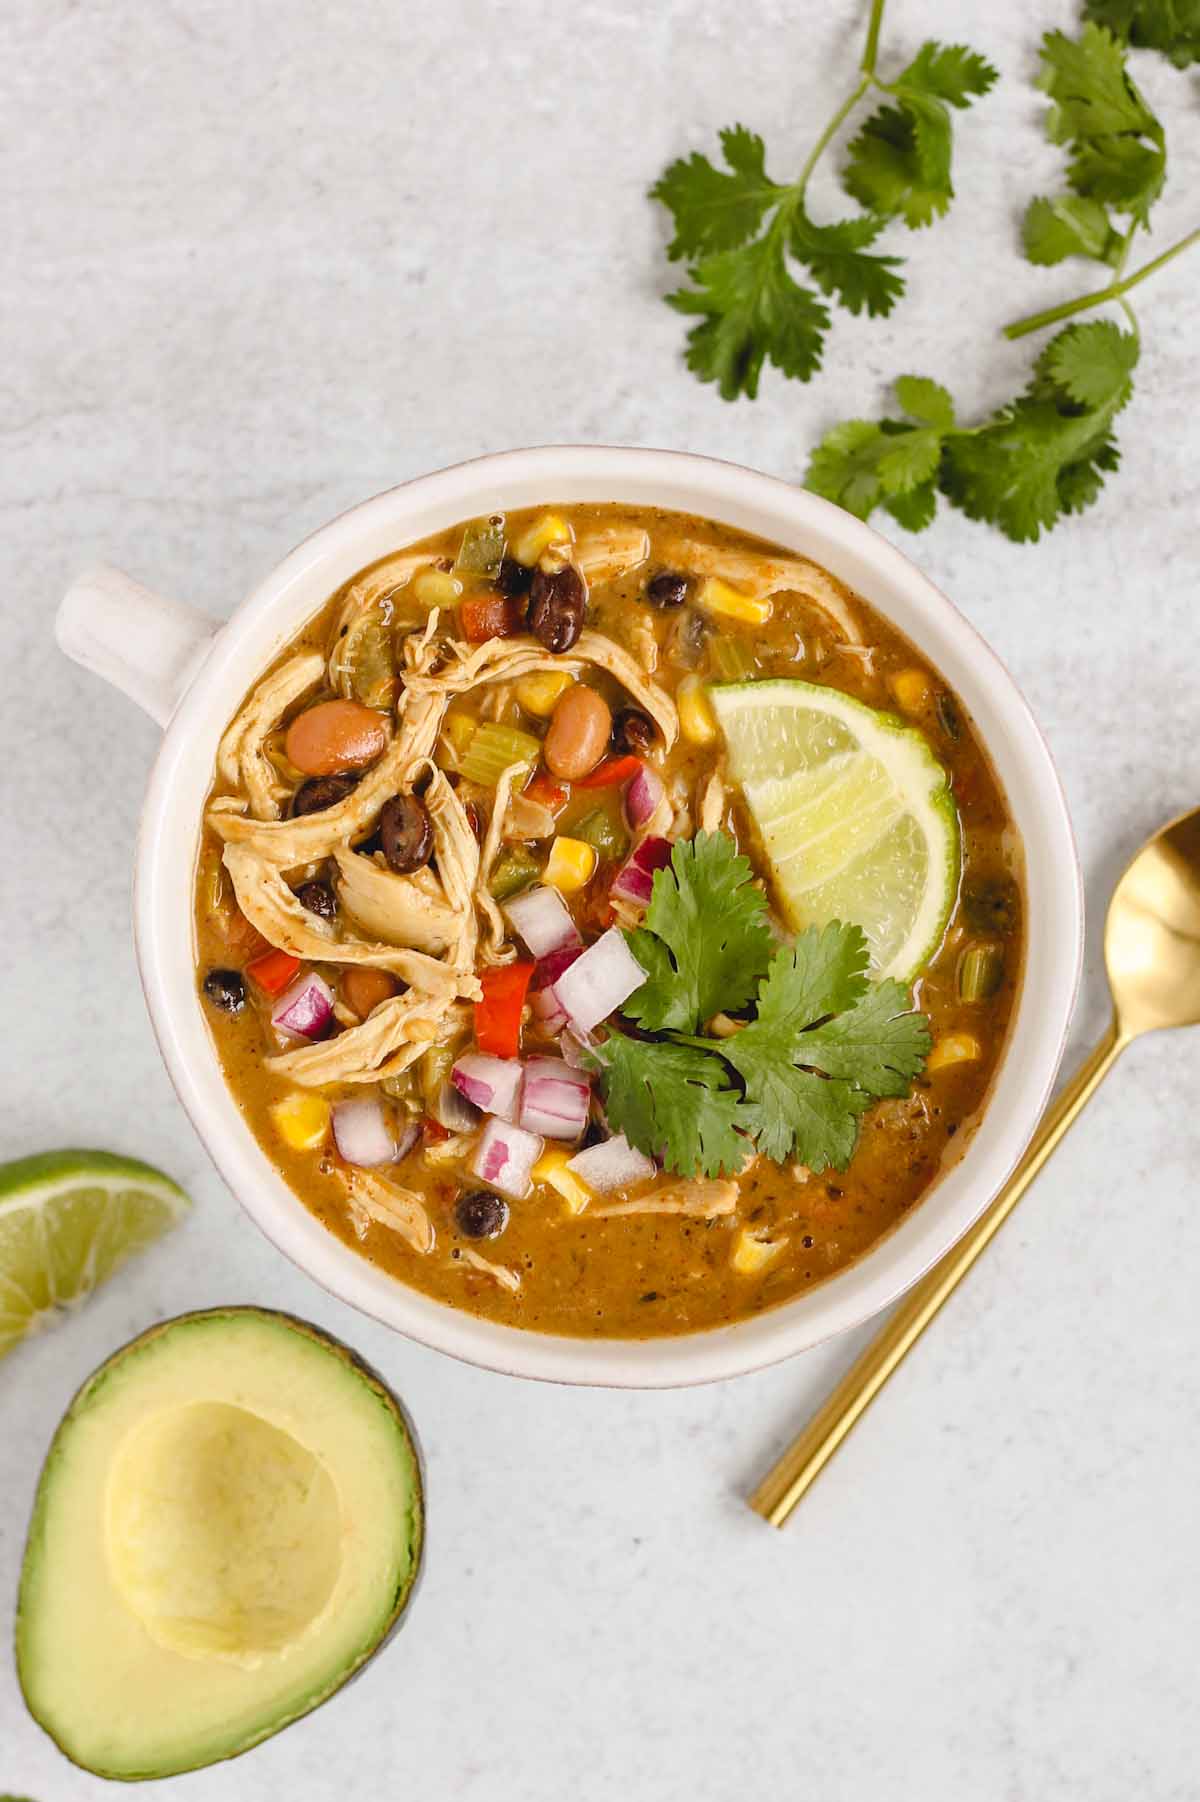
x=1069, y=226
x=880, y=1044
x=1091, y=365
x=862, y=465
x=1117, y=147
x=900, y=162
x=704, y=941
x=1171, y=26
x=674, y=1102
x=837, y=257
x=823, y=1045
x=752, y=311
x=718, y=209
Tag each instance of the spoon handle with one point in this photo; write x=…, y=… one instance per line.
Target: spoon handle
x=808, y=1454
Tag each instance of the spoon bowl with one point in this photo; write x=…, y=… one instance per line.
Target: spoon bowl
x=1152, y=937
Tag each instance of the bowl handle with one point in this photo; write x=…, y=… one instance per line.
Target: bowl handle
x=144, y=644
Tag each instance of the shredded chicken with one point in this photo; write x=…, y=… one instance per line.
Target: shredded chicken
x=387, y=1205
x=704, y=1199
x=508, y=1279
x=268, y=903
x=391, y=907
x=644, y=644
x=450, y=1151
x=760, y=576
x=390, y=1039
x=506, y=659
x=713, y=802
x=528, y=819
x=291, y=842
x=392, y=574
x=607, y=553
x=494, y=932
x=241, y=760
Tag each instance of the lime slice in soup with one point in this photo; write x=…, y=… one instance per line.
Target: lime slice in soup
x=855, y=814
x=67, y=1220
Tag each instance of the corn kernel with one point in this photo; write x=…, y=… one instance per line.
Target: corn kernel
x=570, y=865
x=302, y=1121
x=752, y=1253
x=715, y=596
x=436, y=588
x=550, y=529
x=552, y=1170
x=697, y=721
x=953, y=1048
x=538, y=693
x=911, y=689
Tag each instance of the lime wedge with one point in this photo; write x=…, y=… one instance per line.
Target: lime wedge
x=67, y=1220
x=855, y=814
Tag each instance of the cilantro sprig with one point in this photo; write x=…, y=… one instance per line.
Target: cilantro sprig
x=820, y=1041
x=742, y=233
x=1045, y=454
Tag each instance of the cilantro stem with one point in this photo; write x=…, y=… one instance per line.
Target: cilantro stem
x=866, y=78
x=1117, y=290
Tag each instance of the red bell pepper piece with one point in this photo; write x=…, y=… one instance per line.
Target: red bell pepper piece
x=483, y=616
x=545, y=789
x=498, y=1015
x=273, y=971
x=609, y=773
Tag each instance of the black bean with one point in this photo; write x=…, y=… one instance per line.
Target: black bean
x=320, y=792
x=405, y=833
x=557, y=602
x=633, y=732
x=513, y=578
x=667, y=589
x=226, y=990
x=318, y=898
x=480, y=1215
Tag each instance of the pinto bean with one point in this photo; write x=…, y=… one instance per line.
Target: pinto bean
x=335, y=736
x=578, y=734
x=364, y=988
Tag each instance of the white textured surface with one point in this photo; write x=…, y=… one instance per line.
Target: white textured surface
x=263, y=261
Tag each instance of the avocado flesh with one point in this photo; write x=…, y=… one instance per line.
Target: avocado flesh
x=228, y=1525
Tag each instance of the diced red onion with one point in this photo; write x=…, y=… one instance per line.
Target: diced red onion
x=642, y=795
x=362, y=1133
x=599, y=981
x=551, y=967
x=492, y=1084
x=548, y=1011
x=554, y=1098
x=635, y=879
x=575, y=1044
x=304, y=1010
x=613, y=1164
x=541, y=917
x=504, y=1158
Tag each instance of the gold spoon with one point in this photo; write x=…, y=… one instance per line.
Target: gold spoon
x=1152, y=952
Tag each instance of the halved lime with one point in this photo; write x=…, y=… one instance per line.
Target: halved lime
x=67, y=1220
x=854, y=811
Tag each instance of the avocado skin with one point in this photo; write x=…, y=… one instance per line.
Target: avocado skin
x=400, y=1604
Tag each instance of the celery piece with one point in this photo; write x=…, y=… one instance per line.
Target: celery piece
x=980, y=972
x=482, y=549
x=493, y=748
x=602, y=832
x=731, y=658
x=516, y=869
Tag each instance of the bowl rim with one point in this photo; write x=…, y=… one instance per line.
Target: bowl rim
x=749, y=500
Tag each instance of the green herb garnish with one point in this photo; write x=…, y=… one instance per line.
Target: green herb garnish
x=1046, y=453
x=1171, y=26
x=821, y=1043
x=741, y=232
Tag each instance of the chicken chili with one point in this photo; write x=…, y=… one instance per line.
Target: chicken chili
x=608, y=923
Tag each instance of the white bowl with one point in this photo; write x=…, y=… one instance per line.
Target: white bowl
x=190, y=673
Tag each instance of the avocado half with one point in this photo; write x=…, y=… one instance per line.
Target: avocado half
x=228, y=1525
